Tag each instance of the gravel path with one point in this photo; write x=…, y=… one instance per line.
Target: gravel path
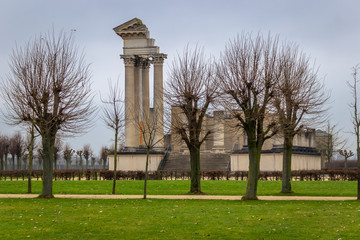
x=201, y=197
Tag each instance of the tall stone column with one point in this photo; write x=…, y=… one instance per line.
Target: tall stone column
x=137, y=101
x=158, y=60
x=145, y=90
x=130, y=128
x=145, y=117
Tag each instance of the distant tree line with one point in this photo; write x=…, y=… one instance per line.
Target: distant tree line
x=14, y=151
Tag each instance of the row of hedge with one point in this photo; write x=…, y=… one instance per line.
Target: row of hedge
x=100, y=174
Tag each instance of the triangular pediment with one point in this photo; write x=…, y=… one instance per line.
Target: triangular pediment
x=133, y=28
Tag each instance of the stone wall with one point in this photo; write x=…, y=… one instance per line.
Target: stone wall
x=135, y=162
x=273, y=162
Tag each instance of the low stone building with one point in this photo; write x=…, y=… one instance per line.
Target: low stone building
x=229, y=144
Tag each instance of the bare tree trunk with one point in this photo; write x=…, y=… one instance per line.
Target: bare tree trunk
x=115, y=160
x=13, y=161
x=358, y=159
x=1, y=162
x=48, y=159
x=346, y=162
x=18, y=162
x=6, y=162
x=254, y=168
x=146, y=170
x=31, y=148
x=81, y=163
x=286, y=169
x=195, y=174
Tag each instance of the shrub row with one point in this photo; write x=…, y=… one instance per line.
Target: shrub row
x=99, y=174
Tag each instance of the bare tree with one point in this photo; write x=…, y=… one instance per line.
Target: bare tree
x=87, y=154
x=248, y=74
x=299, y=101
x=103, y=157
x=113, y=116
x=80, y=164
x=67, y=154
x=329, y=141
x=15, y=149
x=19, y=148
x=93, y=160
x=346, y=154
x=356, y=118
x=149, y=125
x=49, y=86
x=192, y=89
x=6, y=151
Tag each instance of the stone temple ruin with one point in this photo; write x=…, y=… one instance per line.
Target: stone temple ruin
x=139, y=53
x=226, y=150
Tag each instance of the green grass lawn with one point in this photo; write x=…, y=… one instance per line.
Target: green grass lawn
x=178, y=219
x=168, y=187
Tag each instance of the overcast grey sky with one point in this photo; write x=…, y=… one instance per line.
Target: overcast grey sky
x=327, y=30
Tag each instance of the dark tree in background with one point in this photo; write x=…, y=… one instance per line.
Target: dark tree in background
x=49, y=86
x=12, y=153
x=2, y=152
x=87, y=154
x=103, y=157
x=248, y=75
x=192, y=89
x=57, y=150
x=6, y=151
x=67, y=154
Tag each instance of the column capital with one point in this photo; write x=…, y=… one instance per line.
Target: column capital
x=159, y=58
x=129, y=60
x=145, y=63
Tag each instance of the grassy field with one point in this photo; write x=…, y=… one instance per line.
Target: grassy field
x=167, y=187
x=178, y=219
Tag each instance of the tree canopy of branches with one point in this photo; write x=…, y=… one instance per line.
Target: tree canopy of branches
x=248, y=74
x=192, y=89
x=356, y=118
x=113, y=116
x=299, y=101
x=49, y=86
